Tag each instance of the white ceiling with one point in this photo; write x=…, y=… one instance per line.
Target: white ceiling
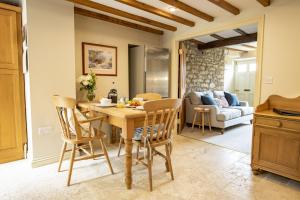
x=228, y=33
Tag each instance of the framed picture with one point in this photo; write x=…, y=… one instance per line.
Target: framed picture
x=101, y=59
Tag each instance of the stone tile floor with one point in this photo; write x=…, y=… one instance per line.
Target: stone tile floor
x=202, y=171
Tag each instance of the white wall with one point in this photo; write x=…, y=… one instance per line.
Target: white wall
x=51, y=71
x=281, y=45
x=101, y=32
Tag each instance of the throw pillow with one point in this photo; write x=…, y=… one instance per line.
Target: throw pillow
x=195, y=98
x=218, y=102
x=232, y=99
x=208, y=100
x=223, y=102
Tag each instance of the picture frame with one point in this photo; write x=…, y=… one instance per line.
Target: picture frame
x=101, y=59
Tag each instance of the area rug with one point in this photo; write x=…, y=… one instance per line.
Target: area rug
x=237, y=138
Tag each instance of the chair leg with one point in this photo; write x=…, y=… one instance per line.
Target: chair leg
x=137, y=153
x=63, y=150
x=91, y=148
x=149, y=165
x=71, y=164
x=202, y=119
x=106, y=155
x=194, y=121
x=120, y=145
x=169, y=160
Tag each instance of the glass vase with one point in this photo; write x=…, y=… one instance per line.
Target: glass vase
x=90, y=95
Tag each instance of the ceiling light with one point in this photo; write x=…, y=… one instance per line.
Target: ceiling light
x=172, y=9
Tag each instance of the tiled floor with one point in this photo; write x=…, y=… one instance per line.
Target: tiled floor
x=202, y=171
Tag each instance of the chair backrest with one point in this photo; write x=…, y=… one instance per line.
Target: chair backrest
x=160, y=116
x=149, y=96
x=65, y=107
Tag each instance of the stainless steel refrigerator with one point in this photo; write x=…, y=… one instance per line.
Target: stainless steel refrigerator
x=149, y=69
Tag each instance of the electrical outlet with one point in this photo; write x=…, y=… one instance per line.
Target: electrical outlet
x=47, y=130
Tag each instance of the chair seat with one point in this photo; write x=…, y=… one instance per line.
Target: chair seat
x=139, y=132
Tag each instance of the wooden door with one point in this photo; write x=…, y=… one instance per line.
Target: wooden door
x=12, y=118
x=277, y=149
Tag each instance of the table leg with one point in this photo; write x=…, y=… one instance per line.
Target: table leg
x=127, y=133
x=128, y=163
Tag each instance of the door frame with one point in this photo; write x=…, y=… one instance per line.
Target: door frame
x=260, y=21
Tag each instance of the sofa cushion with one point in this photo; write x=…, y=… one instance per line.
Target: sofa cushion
x=196, y=97
x=228, y=114
x=245, y=110
x=208, y=100
x=219, y=94
x=232, y=99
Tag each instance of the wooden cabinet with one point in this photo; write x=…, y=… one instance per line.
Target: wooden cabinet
x=276, y=138
x=12, y=115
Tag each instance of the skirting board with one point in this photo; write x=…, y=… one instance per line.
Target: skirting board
x=42, y=161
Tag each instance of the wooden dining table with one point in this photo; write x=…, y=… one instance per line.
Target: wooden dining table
x=126, y=118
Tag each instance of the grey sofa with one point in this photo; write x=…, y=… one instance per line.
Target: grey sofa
x=219, y=117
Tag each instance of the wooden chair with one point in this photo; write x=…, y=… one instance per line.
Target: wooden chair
x=146, y=97
x=149, y=96
x=157, y=131
x=78, y=133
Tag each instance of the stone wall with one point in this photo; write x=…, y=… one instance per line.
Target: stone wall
x=204, y=69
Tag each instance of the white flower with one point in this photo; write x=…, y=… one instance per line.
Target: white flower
x=85, y=82
x=81, y=78
x=89, y=77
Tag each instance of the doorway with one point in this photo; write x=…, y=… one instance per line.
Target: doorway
x=244, y=83
x=215, y=64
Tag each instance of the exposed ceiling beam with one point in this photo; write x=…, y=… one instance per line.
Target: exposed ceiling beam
x=226, y=6
x=218, y=37
x=265, y=3
x=121, y=13
x=229, y=41
x=182, y=6
x=156, y=11
x=114, y=20
x=240, y=31
x=196, y=41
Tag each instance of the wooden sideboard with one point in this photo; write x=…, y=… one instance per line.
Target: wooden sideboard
x=276, y=138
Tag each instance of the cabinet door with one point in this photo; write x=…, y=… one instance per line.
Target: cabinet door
x=11, y=143
x=8, y=40
x=277, y=149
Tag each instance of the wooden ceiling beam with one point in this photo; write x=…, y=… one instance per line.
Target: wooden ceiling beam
x=226, y=6
x=114, y=20
x=182, y=6
x=240, y=31
x=196, y=41
x=265, y=3
x=121, y=13
x=229, y=41
x=216, y=36
x=156, y=11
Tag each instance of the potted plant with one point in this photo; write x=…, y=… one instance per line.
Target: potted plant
x=88, y=83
